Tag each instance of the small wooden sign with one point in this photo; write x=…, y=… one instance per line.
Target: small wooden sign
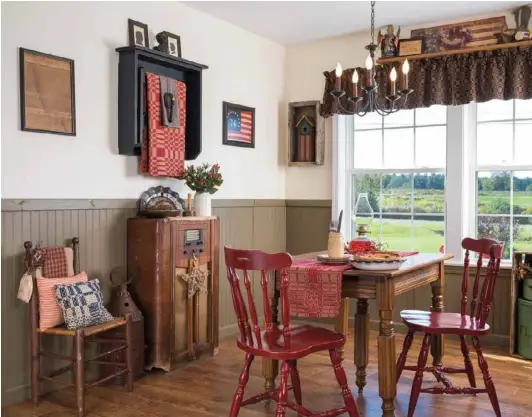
x=412, y=46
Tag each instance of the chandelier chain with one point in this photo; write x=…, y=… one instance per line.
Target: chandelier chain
x=372, y=22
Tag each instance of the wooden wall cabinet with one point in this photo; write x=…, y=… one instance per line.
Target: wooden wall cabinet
x=134, y=63
x=306, y=134
x=159, y=251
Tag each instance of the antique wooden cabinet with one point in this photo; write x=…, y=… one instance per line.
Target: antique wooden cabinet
x=160, y=254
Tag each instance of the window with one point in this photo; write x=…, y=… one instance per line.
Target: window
x=397, y=178
x=503, y=172
x=430, y=177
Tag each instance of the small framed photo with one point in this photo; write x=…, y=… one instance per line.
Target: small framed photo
x=47, y=93
x=169, y=44
x=138, y=34
x=238, y=125
x=412, y=46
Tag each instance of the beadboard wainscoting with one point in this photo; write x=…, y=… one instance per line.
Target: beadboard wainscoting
x=101, y=228
x=298, y=226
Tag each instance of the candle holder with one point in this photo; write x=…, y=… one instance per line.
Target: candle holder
x=355, y=99
x=338, y=93
x=393, y=98
x=406, y=91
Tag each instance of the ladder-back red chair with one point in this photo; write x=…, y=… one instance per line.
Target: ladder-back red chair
x=461, y=324
x=284, y=342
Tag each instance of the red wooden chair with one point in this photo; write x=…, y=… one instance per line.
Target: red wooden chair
x=285, y=342
x=474, y=324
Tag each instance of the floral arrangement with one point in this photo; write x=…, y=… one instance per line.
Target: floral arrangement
x=202, y=178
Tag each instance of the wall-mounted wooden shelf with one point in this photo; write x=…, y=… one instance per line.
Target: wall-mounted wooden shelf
x=455, y=52
x=134, y=62
x=306, y=134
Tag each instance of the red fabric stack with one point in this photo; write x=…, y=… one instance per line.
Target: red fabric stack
x=163, y=149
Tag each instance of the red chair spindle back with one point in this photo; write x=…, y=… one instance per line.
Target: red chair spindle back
x=256, y=260
x=481, y=305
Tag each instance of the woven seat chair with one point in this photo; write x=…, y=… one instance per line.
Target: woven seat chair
x=80, y=336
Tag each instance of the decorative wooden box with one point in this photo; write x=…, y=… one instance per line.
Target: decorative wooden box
x=306, y=134
x=516, y=292
x=134, y=62
x=159, y=253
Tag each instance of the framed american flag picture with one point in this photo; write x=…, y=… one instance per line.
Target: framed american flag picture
x=238, y=125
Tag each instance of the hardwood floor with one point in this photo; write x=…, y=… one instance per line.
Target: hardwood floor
x=205, y=388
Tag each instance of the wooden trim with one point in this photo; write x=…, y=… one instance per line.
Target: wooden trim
x=126, y=203
x=66, y=204
x=455, y=52
x=302, y=164
x=309, y=203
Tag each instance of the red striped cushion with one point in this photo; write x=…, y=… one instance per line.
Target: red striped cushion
x=50, y=313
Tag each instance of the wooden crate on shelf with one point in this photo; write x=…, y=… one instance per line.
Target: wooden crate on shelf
x=306, y=134
x=516, y=292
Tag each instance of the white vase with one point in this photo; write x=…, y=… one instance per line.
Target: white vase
x=202, y=204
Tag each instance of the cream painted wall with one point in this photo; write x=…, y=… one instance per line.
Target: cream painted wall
x=304, y=80
x=243, y=68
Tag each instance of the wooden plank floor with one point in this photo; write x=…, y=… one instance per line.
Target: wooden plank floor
x=205, y=388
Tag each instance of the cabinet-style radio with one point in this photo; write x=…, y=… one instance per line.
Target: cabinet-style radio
x=174, y=265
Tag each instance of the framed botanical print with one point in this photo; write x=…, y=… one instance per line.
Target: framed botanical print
x=47, y=93
x=238, y=125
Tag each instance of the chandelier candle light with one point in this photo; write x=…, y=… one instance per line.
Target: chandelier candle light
x=370, y=101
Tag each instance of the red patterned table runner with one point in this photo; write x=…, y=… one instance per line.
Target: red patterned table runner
x=315, y=289
x=163, y=149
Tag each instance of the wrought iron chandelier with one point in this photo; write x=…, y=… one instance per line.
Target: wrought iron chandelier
x=368, y=102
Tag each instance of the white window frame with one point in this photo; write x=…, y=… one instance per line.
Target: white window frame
x=475, y=168
x=457, y=177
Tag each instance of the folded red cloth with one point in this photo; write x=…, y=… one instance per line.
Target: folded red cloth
x=163, y=149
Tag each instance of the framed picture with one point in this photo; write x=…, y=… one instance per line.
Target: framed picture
x=138, y=34
x=412, y=46
x=238, y=125
x=47, y=97
x=462, y=35
x=169, y=44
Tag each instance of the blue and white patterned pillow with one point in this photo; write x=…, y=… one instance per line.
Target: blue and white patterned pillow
x=82, y=304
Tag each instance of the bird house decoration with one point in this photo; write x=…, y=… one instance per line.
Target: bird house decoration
x=306, y=134
x=122, y=303
x=306, y=131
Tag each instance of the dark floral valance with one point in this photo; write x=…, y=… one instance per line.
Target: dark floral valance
x=450, y=80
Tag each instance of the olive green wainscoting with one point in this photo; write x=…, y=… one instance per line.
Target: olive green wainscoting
x=101, y=228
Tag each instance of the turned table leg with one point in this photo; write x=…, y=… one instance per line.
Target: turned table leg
x=437, y=344
x=386, y=347
x=270, y=367
x=361, y=342
x=342, y=324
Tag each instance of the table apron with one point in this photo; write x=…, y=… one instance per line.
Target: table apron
x=416, y=279
x=365, y=286
x=360, y=287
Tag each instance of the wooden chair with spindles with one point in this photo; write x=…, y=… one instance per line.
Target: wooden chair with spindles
x=79, y=337
x=286, y=343
x=462, y=324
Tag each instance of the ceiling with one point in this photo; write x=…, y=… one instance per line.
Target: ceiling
x=288, y=22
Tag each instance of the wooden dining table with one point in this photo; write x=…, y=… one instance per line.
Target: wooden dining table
x=383, y=286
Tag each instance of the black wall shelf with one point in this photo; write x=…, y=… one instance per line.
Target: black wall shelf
x=134, y=62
